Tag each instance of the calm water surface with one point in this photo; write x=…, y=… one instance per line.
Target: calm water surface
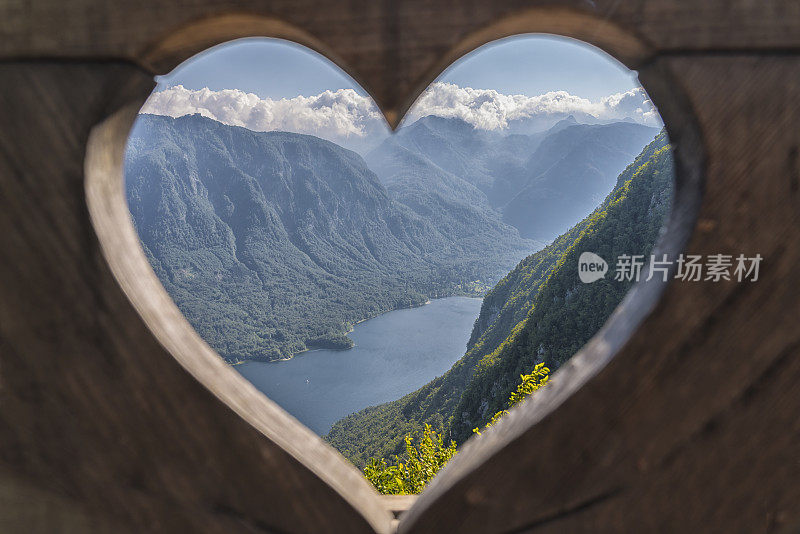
x=394, y=354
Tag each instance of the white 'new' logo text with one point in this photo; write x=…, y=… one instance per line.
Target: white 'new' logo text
x=591, y=267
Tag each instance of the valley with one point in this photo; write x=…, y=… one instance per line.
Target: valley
x=273, y=243
x=296, y=259
x=539, y=313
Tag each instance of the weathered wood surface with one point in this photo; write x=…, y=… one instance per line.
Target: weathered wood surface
x=93, y=406
x=393, y=47
x=693, y=426
x=114, y=416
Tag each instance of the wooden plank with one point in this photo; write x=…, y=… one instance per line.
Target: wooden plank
x=36, y=509
x=695, y=425
x=393, y=48
x=114, y=415
x=398, y=504
x=92, y=404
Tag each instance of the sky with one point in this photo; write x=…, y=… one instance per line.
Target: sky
x=529, y=65
x=522, y=84
x=269, y=68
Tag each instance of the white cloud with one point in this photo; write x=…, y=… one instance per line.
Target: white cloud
x=335, y=115
x=345, y=117
x=490, y=110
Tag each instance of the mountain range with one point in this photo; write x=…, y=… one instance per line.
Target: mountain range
x=272, y=243
x=541, y=183
x=539, y=312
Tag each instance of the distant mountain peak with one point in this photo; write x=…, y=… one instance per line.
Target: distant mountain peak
x=437, y=122
x=563, y=124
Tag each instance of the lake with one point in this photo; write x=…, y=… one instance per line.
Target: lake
x=394, y=354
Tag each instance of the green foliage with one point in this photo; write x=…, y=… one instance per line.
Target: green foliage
x=409, y=473
x=540, y=313
x=566, y=313
x=529, y=383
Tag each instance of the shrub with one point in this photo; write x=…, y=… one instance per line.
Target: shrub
x=421, y=461
x=530, y=383
x=411, y=471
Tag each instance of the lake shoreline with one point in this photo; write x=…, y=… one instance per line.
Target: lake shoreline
x=392, y=356
x=351, y=329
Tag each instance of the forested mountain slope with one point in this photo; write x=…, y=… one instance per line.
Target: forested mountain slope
x=541, y=183
x=271, y=243
x=570, y=173
x=453, y=205
x=540, y=312
x=491, y=161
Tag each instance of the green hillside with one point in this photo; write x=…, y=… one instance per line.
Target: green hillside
x=540, y=312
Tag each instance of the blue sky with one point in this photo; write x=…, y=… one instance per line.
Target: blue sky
x=529, y=65
x=536, y=64
x=270, y=68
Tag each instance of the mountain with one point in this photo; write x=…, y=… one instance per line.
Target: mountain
x=272, y=243
x=455, y=206
x=539, y=312
x=566, y=313
x=543, y=121
x=540, y=182
x=563, y=124
x=571, y=171
x=491, y=161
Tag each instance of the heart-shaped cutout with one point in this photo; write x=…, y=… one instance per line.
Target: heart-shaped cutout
x=277, y=243
x=189, y=273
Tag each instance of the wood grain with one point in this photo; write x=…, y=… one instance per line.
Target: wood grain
x=394, y=48
x=693, y=425
x=681, y=416
x=94, y=407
